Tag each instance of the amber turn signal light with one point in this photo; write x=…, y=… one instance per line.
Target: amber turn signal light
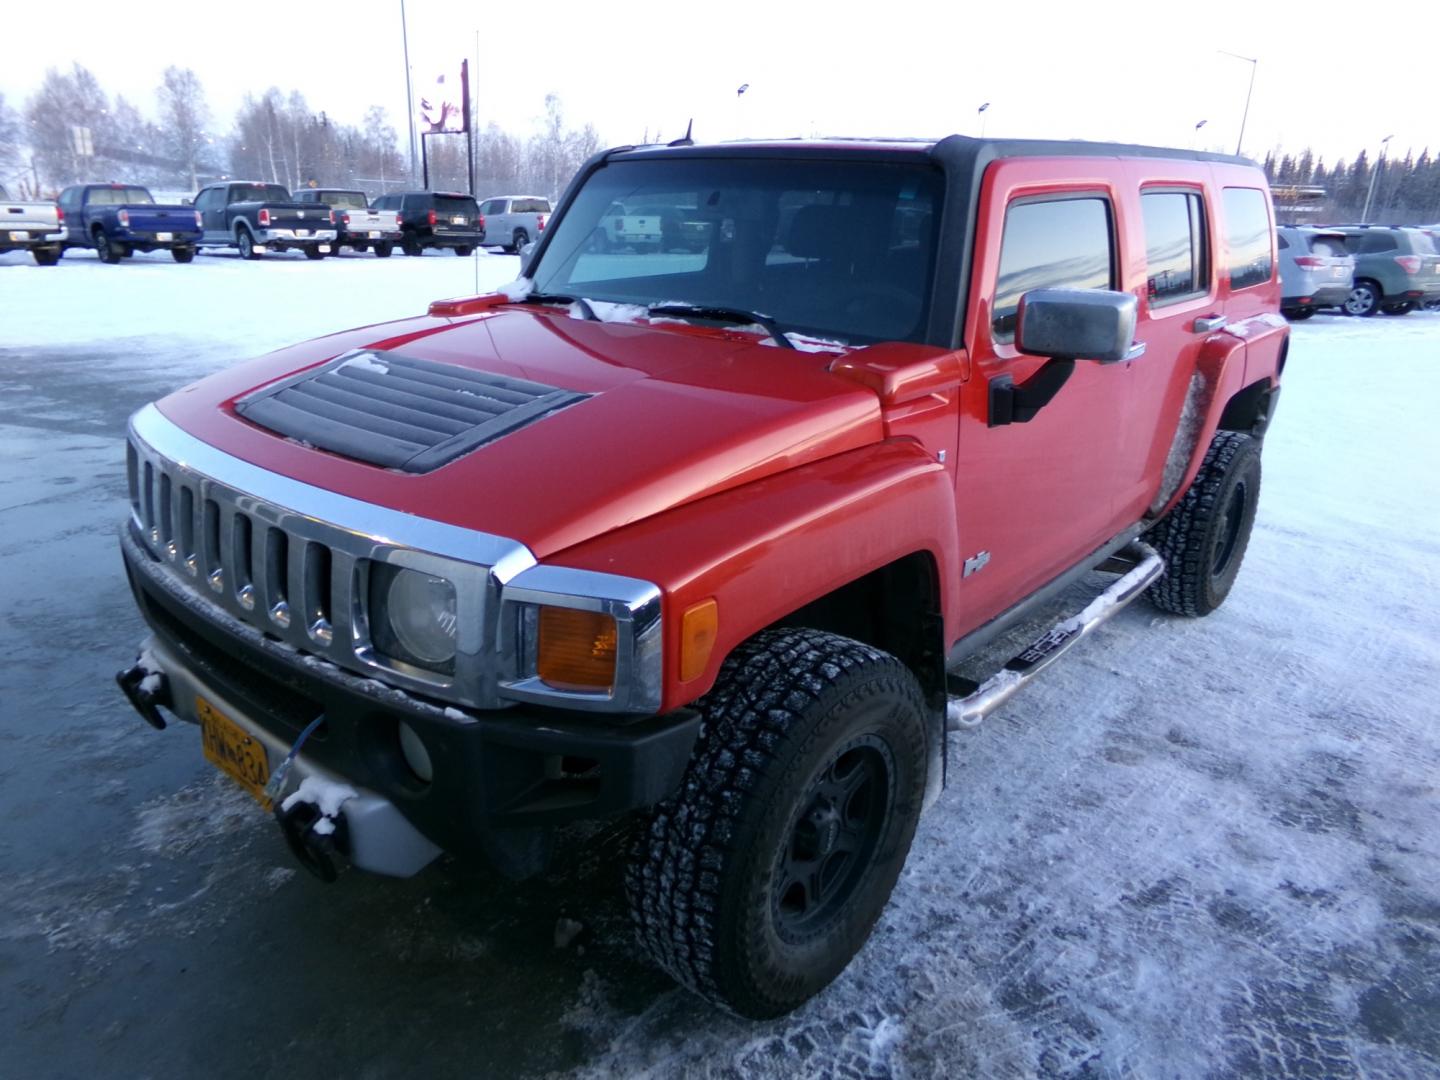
x=698, y=627
x=576, y=649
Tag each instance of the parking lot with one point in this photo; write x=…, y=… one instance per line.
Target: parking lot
x=1197, y=848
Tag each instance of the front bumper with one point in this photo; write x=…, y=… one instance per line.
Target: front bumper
x=496, y=774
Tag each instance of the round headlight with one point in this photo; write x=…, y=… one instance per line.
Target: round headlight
x=421, y=610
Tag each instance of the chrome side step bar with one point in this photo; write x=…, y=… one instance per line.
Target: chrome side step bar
x=1146, y=566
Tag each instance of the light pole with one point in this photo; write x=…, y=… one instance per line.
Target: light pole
x=1254, y=63
x=1370, y=191
x=980, y=112
x=739, y=111
x=1195, y=139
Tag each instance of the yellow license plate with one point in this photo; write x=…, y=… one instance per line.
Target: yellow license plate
x=234, y=751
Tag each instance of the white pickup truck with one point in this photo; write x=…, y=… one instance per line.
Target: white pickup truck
x=32, y=227
x=360, y=225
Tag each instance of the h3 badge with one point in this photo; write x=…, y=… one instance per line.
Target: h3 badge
x=975, y=562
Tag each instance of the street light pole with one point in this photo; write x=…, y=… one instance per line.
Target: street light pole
x=983, y=118
x=1245, y=117
x=1370, y=191
x=409, y=94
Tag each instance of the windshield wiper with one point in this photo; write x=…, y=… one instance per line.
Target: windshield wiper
x=561, y=298
x=726, y=314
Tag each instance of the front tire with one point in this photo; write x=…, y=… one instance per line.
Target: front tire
x=1364, y=299
x=758, y=882
x=1203, y=540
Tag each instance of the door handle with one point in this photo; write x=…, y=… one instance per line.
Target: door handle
x=1205, y=324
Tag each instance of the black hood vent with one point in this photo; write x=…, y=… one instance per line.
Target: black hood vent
x=399, y=411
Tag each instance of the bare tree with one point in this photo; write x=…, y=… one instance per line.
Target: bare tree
x=10, y=156
x=184, y=116
x=68, y=118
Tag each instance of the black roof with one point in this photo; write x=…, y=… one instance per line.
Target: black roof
x=951, y=147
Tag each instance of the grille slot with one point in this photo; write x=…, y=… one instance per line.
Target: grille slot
x=399, y=411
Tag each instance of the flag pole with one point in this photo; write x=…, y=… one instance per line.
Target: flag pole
x=465, y=116
x=409, y=94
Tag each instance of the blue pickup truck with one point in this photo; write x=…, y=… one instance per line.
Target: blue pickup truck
x=120, y=219
x=256, y=217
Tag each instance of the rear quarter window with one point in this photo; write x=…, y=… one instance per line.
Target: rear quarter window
x=1247, y=236
x=1064, y=243
x=1175, y=246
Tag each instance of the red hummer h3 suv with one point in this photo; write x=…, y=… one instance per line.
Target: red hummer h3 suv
x=700, y=534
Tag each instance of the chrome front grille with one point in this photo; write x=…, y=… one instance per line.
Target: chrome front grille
x=292, y=560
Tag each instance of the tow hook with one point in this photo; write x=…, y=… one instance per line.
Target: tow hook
x=146, y=690
x=318, y=840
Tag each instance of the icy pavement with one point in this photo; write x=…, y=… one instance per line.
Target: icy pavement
x=1192, y=849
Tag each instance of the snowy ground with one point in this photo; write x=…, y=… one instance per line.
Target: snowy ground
x=1194, y=848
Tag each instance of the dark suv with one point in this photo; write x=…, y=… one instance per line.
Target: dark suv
x=1397, y=269
x=435, y=219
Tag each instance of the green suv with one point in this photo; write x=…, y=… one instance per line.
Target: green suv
x=1397, y=269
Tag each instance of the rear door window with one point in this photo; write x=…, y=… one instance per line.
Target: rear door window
x=1247, y=235
x=1051, y=244
x=1175, y=246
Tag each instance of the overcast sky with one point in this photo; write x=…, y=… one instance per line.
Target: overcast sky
x=1135, y=72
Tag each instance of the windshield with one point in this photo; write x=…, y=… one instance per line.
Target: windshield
x=259, y=193
x=344, y=200
x=837, y=249
x=119, y=196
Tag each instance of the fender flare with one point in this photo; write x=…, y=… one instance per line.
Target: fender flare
x=766, y=549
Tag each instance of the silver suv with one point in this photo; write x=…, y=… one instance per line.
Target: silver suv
x=1316, y=270
x=512, y=221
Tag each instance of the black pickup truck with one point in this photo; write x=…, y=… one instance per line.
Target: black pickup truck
x=258, y=217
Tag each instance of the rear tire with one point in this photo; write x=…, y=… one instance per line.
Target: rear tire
x=313, y=252
x=411, y=247
x=246, y=243
x=760, y=879
x=1298, y=314
x=1398, y=309
x=46, y=256
x=182, y=255
x=108, y=252
x=1203, y=540
x=359, y=249
x=463, y=252
x=519, y=240
x=382, y=251
x=1364, y=299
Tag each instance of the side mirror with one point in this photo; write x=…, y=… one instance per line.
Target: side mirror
x=1077, y=324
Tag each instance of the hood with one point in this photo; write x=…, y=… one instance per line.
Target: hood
x=662, y=416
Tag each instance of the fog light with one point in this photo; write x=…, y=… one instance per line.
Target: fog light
x=415, y=754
